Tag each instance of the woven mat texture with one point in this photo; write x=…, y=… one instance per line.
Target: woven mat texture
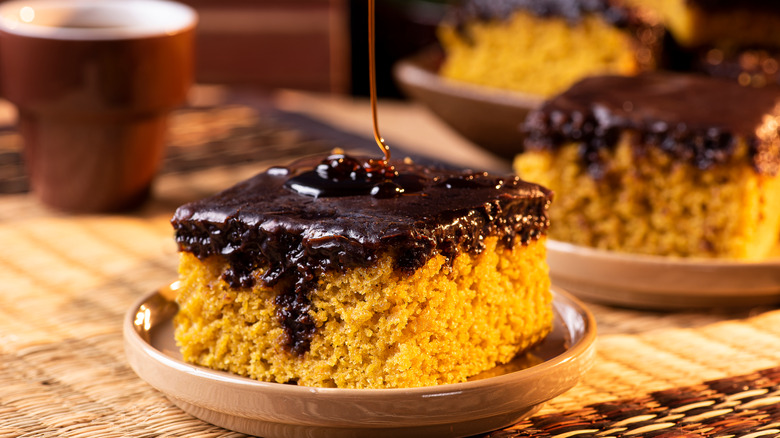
x=67, y=281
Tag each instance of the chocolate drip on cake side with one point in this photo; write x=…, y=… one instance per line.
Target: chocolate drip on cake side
x=693, y=119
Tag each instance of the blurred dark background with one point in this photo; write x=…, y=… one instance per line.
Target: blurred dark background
x=316, y=45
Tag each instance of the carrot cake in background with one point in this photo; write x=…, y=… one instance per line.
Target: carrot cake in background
x=660, y=163
x=354, y=273
x=542, y=47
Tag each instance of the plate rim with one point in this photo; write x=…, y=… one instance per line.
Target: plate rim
x=416, y=70
x=662, y=283
x=571, y=248
x=488, y=117
x=580, y=355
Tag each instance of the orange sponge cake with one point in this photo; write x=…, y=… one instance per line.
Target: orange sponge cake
x=344, y=274
x=660, y=163
x=541, y=47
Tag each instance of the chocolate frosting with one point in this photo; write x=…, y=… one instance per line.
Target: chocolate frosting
x=692, y=118
x=293, y=237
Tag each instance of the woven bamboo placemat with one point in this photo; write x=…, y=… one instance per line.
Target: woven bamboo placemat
x=66, y=282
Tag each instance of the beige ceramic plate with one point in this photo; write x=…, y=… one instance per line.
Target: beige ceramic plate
x=662, y=282
x=489, y=117
x=277, y=410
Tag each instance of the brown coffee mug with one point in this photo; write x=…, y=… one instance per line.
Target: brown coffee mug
x=94, y=82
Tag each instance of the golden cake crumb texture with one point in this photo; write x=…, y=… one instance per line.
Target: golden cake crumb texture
x=534, y=55
x=736, y=25
x=376, y=327
x=652, y=204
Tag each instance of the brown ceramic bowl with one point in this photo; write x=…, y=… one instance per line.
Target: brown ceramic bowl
x=94, y=82
x=489, y=117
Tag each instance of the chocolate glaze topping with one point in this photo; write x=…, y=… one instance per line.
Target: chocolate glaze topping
x=288, y=226
x=692, y=118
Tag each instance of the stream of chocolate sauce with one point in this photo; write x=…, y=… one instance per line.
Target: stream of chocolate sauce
x=341, y=175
